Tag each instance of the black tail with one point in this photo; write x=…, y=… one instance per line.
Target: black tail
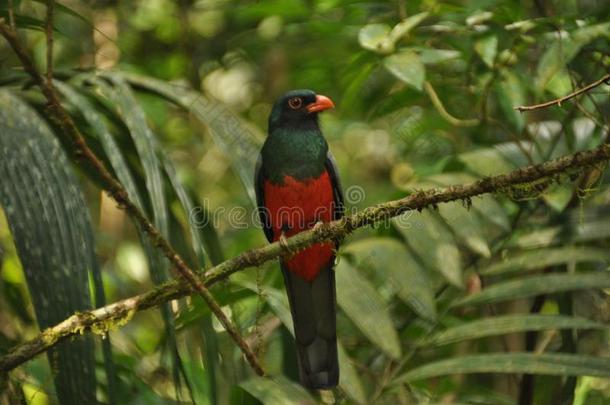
x=313, y=307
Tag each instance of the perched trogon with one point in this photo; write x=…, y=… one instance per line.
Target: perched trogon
x=297, y=186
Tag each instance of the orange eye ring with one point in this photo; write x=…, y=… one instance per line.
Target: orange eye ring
x=295, y=103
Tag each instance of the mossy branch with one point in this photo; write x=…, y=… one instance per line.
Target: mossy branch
x=114, y=315
x=114, y=188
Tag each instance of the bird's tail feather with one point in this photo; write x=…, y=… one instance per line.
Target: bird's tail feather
x=313, y=307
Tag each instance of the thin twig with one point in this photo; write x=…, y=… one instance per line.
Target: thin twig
x=116, y=190
x=559, y=101
x=49, y=32
x=119, y=313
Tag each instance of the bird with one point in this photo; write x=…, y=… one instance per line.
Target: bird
x=297, y=186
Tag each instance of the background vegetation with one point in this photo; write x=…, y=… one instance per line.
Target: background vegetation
x=442, y=306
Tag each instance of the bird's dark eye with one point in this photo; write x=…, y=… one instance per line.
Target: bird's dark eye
x=295, y=103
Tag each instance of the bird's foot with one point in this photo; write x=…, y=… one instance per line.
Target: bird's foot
x=317, y=226
x=284, y=244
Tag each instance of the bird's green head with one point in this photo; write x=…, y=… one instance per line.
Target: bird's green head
x=298, y=108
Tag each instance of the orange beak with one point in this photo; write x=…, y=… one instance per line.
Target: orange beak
x=322, y=103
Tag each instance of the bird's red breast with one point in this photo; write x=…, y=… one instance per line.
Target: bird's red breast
x=295, y=206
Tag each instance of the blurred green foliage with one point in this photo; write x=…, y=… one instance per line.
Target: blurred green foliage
x=434, y=307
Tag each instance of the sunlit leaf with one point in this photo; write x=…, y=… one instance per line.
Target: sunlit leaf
x=487, y=48
x=406, y=66
x=431, y=56
x=374, y=37
x=405, y=26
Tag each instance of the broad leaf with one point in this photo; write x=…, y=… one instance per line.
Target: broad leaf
x=363, y=305
x=374, y=37
x=541, y=258
x=52, y=232
x=398, y=270
x=144, y=140
x=276, y=390
x=500, y=325
x=563, y=50
x=548, y=364
x=348, y=377
x=487, y=47
x=240, y=142
x=405, y=26
x=407, y=66
x=536, y=285
x=433, y=243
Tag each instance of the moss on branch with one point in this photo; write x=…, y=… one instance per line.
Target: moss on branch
x=117, y=314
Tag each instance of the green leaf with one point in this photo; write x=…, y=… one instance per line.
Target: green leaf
x=240, y=142
x=144, y=140
x=187, y=206
x=198, y=309
x=467, y=227
x=50, y=225
x=500, y=325
x=363, y=305
x=276, y=390
x=491, y=211
x=590, y=227
x=405, y=26
x=122, y=97
x=97, y=122
x=398, y=270
x=511, y=93
x=349, y=379
x=374, y=37
x=431, y=56
x=486, y=162
x=407, y=66
x=433, y=243
x=120, y=167
x=563, y=50
x=487, y=48
x=486, y=206
x=519, y=363
x=541, y=258
x=536, y=285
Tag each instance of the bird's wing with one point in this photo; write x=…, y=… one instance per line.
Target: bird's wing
x=331, y=168
x=259, y=188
